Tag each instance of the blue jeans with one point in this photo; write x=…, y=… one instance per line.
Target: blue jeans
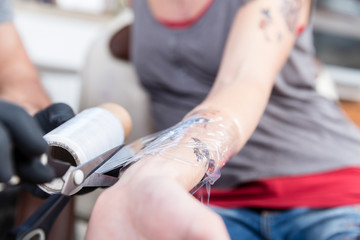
x=341, y=223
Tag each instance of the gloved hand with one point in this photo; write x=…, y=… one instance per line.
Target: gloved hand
x=53, y=116
x=22, y=144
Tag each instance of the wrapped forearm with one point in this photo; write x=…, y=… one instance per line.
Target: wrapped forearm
x=205, y=140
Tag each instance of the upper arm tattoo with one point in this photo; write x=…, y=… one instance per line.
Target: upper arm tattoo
x=265, y=25
x=265, y=22
x=290, y=10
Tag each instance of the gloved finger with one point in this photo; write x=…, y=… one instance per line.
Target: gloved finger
x=6, y=169
x=23, y=129
x=53, y=116
x=31, y=170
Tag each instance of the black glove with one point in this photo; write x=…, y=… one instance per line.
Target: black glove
x=53, y=116
x=21, y=146
x=22, y=143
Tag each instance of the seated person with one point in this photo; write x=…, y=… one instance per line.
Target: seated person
x=239, y=76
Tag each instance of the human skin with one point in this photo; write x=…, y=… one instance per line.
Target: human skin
x=19, y=81
x=151, y=199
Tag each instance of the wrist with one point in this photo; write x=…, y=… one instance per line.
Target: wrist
x=150, y=168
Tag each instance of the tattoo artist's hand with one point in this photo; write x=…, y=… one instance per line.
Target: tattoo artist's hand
x=22, y=143
x=152, y=208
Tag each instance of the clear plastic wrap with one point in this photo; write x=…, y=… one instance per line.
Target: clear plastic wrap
x=205, y=138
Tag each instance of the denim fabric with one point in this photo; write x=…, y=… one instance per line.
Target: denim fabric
x=341, y=223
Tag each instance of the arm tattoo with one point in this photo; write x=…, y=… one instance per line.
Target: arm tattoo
x=290, y=10
x=265, y=22
x=202, y=153
x=201, y=150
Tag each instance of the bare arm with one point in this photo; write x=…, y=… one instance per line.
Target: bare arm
x=19, y=82
x=259, y=43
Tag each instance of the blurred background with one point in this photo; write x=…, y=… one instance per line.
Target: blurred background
x=68, y=41
x=58, y=35
x=337, y=43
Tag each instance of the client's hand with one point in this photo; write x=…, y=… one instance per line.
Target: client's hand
x=152, y=208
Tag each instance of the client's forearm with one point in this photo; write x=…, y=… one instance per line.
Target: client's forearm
x=195, y=148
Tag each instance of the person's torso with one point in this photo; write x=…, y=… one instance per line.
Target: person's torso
x=300, y=131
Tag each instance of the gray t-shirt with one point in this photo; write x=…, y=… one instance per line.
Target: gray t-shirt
x=300, y=132
x=5, y=11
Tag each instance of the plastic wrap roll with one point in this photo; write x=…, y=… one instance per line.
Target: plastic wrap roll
x=86, y=136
